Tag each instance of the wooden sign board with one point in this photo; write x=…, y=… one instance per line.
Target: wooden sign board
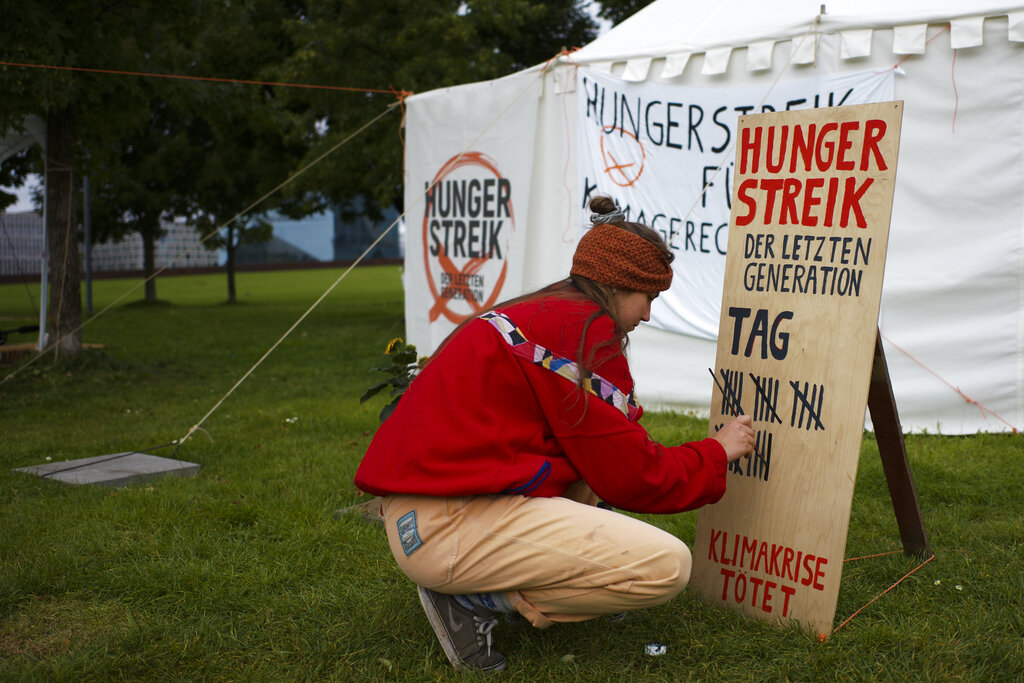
x=809, y=226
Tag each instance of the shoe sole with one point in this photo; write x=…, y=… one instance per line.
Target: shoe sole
x=437, y=623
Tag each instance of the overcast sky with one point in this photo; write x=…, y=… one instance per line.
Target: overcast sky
x=24, y=200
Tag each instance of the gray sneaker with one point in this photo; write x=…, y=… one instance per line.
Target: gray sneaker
x=465, y=635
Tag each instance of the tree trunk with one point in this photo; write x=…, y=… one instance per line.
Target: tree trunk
x=62, y=229
x=231, y=264
x=149, y=264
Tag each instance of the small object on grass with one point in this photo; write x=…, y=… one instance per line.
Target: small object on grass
x=655, y=649
x=568, y=659
x=959, y=587
x=116, y=469
x=369, y=510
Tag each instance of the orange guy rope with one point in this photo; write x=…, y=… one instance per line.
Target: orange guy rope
x=964, y=396
x=821, y=636
x=944, y=29
x=212, y=79
x=867, y=557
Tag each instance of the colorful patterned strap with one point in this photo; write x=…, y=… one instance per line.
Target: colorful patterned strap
x=538, y=355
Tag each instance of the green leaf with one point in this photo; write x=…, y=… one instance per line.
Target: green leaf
x=385, y=413
x=374, y=390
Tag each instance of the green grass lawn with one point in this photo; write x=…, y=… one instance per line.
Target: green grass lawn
x=245, y=572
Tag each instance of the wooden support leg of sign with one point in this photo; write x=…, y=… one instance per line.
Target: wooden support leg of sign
x=893, y=451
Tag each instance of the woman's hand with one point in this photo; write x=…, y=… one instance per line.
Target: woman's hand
x=736, y=437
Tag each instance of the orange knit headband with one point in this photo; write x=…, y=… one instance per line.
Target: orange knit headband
x=621, y=259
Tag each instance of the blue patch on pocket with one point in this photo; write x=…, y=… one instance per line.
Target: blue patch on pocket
x=408, y=534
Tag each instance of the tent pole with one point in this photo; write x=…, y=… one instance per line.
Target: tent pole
x=45, y=266
x=87, y=248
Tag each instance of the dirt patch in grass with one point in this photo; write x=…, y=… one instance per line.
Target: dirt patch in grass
x=49, y=626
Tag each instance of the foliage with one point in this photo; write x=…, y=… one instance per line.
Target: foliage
x=246, y=573
x=207, y=151
x=134, y=192
x=617, y=11
x=14, y=172
x=152, y=147
x=403, y=367
x=413, y=46
x=549, y=27
x=85, y=113
x=79, y=33
x=245, y=140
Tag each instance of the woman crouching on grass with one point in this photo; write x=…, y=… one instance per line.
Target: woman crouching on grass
x=492, y=464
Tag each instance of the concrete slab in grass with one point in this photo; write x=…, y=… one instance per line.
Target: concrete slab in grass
x=118, y=469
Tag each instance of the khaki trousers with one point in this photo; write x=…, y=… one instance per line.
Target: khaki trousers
x=556, y=559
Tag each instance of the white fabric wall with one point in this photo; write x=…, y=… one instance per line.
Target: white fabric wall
x=952, y=291
x=951, y=297
x=12, y=141
x=468, y=134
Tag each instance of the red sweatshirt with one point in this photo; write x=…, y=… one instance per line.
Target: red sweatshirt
x=486, y=416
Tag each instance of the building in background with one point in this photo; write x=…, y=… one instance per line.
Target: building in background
x=322, y=237
x=326, y=237
x=353, y=236
x=21, y=243
x=301, y=240
x=21, y=248
x=274, y=250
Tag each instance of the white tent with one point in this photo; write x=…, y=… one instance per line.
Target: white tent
x=951, y=318
x=13, y=141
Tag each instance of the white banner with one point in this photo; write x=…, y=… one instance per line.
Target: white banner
x=655, y=147
x=469, y=159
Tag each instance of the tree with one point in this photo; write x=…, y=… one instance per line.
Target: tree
x=14, y=172
x=228, y=145
x=525, y=33
x=246, y=139
x=617, y=11
x=137, y=189
x=156, y=147
x=81, y=111
x=411, y=45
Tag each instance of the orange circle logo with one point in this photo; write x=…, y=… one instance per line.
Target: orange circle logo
x=627, y=170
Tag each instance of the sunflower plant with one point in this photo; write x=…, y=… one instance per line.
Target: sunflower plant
x=402, y=367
